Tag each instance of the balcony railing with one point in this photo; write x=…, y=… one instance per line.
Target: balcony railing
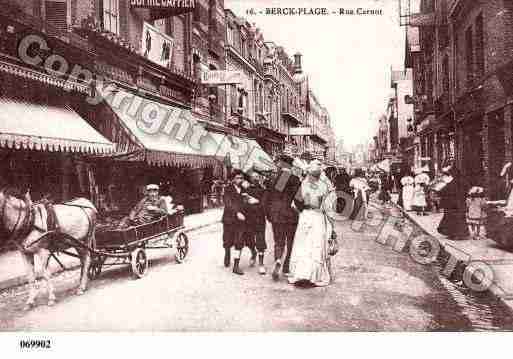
x=270, y=71
x=290, y=114
x=13, y=12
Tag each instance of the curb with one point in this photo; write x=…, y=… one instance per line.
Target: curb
x=493, y=288
x=22, y=279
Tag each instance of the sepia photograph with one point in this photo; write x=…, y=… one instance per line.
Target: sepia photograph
x=254, y=166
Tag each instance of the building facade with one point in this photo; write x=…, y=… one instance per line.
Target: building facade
x=208, y=38
x=462, y=93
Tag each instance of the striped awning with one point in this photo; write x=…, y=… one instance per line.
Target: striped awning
x=31, y=126
x=243, y=153
x=168, y=135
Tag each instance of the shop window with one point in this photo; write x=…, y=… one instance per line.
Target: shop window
x=111, y=16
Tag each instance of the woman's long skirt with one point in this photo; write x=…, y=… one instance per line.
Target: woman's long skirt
x=453, y=224
x=310, y=259
x=408, y=193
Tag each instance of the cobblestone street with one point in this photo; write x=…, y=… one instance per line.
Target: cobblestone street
x=375, y=289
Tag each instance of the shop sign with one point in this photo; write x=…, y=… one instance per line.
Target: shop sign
x=182, y=5
x=172, y=94
x=220, y=77
x=157, y=46
x=300, y=131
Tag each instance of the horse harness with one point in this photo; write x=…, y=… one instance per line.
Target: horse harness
x=29, y=222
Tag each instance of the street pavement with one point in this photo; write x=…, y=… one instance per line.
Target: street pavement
x=376, y=289
x=484, y=250
x=13, y=271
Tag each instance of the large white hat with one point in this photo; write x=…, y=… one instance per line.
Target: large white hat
x=152, y=186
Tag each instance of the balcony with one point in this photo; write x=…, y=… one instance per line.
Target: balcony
x=290, y=114
x=318, y=135
x=258, y=66
x=13, y=13
x=271, y=73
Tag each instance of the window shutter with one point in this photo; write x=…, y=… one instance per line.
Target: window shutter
x=56, y=15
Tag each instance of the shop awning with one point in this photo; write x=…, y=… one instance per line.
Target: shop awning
x=40, y=127
x=168, y=135
x=244, y=153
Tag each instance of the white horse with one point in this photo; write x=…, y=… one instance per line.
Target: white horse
x=25, y=224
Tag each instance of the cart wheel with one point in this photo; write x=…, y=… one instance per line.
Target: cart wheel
x=139, y=262
x=94, y=269
x=182, y=247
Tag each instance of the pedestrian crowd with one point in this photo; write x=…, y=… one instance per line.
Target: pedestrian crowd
x=464, y=204
x=295, y=200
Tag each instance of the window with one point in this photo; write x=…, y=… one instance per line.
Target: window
x=243, y=47
x=469, y=54
x=161, y=25
x=456, y=61
x=230, y=35
x=480, y=59
x=56, y=15
x=111, y=16
x=197, y=13
x=196, y=62
x=445, y=75
x=213, y=91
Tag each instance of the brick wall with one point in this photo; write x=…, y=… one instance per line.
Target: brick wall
x=498, y=50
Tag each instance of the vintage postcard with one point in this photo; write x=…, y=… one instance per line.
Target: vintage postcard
x=255, y=166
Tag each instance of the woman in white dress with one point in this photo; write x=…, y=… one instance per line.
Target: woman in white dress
x=408, y=191
x=419, y=202
x=310, y=261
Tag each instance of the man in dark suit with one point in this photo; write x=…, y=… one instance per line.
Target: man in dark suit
x=233, y=221
x=254, y=234
x=280, y=211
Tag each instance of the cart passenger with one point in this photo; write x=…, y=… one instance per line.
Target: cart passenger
x=149, y=209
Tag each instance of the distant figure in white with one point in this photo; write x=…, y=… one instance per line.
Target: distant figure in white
x=408, y=191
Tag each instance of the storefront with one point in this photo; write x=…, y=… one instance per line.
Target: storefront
x=177, y=153
x=50, y=149
x=47, y=143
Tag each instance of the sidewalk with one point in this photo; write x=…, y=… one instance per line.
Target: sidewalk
x=13, y=271
x=482, y=250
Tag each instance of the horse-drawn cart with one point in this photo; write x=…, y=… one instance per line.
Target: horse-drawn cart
x=121, y=246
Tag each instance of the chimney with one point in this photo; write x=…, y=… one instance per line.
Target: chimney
x=297, y=63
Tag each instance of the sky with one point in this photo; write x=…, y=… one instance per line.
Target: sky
x=347, y=58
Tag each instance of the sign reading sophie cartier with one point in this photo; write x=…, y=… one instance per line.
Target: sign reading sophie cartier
x=164, y=4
